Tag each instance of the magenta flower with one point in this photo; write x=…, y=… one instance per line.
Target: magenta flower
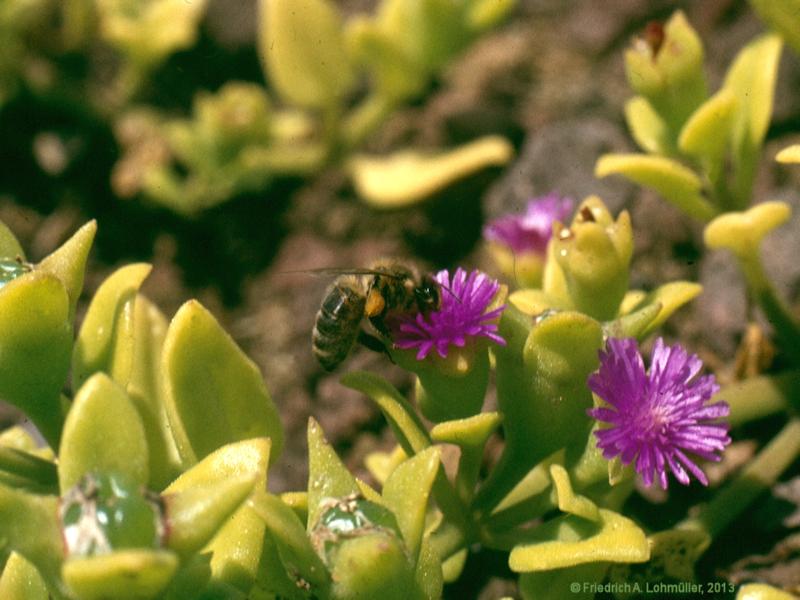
x=531, y=230
x=461, y=317
x=660, y=416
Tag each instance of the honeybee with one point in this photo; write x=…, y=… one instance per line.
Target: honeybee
x=385, y=289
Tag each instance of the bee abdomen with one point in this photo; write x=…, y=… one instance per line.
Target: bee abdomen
x=337, y=323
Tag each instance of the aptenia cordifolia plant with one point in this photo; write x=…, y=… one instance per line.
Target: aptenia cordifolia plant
x=150, y=477
x=329, y=83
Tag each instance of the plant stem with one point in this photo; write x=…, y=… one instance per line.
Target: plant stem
x=519, y=513
x=448, y=539
x=758, y=476
x=787, y=329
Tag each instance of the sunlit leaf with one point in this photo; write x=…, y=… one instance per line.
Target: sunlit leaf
x=215, y=394
x=408, y=177
x=100, y=406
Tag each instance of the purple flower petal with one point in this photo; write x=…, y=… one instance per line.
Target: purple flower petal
x=655, y=418
x=461, y=317
x=531, y=230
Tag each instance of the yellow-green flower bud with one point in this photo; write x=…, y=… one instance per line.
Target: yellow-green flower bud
x=594, y=254
x=361, y=543
x=665, y=65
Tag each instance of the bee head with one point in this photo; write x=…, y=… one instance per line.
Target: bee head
x=428, y=295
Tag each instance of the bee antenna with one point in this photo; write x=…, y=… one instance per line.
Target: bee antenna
x=514, y=268
x=447, y=289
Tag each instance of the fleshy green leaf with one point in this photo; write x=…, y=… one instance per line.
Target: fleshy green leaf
x=35, y=343
x=783, y=16
x=237, y=547
x=369, y=492
x=126, y=575
x=559, y=354
x=238, y=539
x=214, y=394
x=428, y=32
x=105, y=342
x=21, y=581
x=751, y=78
x=406, y=494
x=706, y=134
x=147, y=394
x=327, y=476
x=29, y=525
x=246, y=458
x=471, y=436
x=201, y=503
x=534, y=302
x=19, y=438
x=569, y=541
x=296, y=553
x=68, y=262
x=298, y=502
x=9, y=246
x=302, y=47
x=647, y=312
x=568, y=500
x=483, y=14
x=429, y=576
x=400, y=415
x=197, y=513
x=408, y=177
x=471, y=432
x=742, y=232
x=396, y=76
x=543, y=398
x=790, y=154
x=88, y=444
x=381, y=464
x=762, y=591
x=454, y=566
x=632, y=324
x=647, y=127
x=676, y=183
x=273, y=581
x=147, y=32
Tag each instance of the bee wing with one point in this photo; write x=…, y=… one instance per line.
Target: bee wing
x=333, y=271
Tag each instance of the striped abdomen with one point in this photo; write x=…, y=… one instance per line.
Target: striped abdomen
x=338, y=322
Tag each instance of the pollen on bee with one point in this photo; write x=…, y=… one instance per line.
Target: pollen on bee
x=375, y=303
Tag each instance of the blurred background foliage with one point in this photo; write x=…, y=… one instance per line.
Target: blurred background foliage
x=91, y=98
x=189, y=105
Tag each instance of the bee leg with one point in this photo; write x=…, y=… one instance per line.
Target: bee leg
x=373, y=343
